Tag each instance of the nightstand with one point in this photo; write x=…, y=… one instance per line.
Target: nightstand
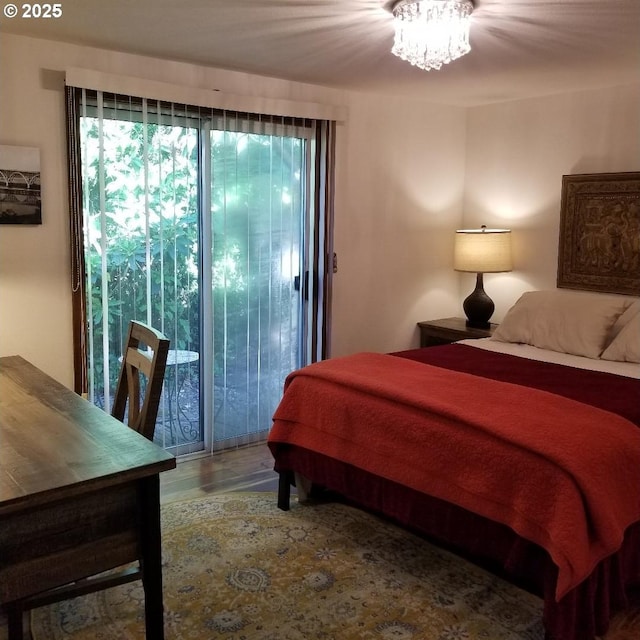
x=448, y=330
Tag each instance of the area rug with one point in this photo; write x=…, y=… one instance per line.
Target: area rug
x=238, y=568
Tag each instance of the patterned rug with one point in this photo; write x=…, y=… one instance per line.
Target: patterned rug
x=236, y=567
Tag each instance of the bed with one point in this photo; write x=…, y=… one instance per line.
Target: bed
x=521, y=452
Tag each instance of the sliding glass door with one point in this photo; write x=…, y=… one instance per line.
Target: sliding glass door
x=257, y=214
x=202, y=225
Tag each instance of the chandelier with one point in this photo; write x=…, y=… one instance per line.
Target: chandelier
x=430, y=33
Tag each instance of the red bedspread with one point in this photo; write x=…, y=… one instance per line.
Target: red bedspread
x=610, y=392
x=560, y=473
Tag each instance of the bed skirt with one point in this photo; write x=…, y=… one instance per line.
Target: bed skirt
x=580, y=615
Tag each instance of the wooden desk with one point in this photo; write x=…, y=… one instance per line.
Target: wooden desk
x=79, y=490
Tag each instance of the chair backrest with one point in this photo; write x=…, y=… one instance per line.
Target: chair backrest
x=150, y=362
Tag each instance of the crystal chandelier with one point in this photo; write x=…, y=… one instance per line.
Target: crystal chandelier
x=430, y=33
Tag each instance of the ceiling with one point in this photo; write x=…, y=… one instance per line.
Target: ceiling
x=519, y=48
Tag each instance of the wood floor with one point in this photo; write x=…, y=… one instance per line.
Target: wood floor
x=251, y=469
x=244, y=469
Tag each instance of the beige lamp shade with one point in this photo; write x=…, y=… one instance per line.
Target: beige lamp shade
x=482, y=250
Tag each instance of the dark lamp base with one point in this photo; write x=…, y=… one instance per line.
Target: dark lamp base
x=478, y=307
x=478, y=325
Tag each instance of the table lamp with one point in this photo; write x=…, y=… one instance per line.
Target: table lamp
x=481, y=251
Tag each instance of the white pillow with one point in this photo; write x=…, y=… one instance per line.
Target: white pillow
x=565, y=321
x=625, y=346
x=622, y=321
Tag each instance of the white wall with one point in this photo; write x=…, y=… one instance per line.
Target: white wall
x=403, y=175
x=398, y=196
x=517, y=153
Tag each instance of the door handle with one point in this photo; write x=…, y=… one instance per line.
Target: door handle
x=298, y=284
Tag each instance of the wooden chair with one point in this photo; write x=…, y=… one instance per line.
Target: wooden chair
x=151, y=362
x=142, y=411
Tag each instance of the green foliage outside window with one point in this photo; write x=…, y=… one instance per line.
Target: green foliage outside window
x=142, y=254
x=142, y=231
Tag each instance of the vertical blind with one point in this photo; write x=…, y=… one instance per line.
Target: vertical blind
x=214, y=227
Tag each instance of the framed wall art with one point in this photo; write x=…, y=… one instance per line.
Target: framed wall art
x=20, y=197
x=599, y=247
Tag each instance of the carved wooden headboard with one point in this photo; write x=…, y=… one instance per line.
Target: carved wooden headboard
x=600, y=233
